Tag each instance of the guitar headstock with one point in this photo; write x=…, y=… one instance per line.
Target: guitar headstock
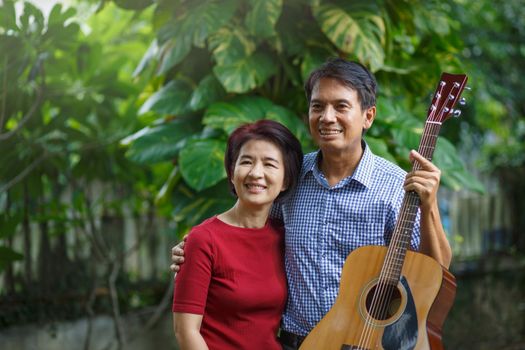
x=445, y=97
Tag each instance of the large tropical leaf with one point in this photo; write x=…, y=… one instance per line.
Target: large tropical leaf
x=247, y=73
x=354, y=30
x=380, y=148
x=230, y=45
x=191, y=207
x=192, y=27
x=202, y=163
x=454, y=173
x=208, y=91
x=161, y=142
x=172, y=99
x=229, y=115
x=262, y=17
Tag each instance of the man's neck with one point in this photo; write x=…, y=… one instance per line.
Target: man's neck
x=337, y=166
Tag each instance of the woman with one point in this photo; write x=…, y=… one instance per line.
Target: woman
x=231, y=290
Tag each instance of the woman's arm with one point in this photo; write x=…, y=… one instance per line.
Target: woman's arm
x=187, y=330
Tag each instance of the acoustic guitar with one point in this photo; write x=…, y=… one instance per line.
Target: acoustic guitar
x=390, y=297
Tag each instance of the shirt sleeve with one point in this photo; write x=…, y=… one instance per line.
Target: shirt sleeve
x=193, y=279
x=276, y=212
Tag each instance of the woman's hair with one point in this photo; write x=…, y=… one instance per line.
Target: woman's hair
x=276, y=133
x=351, y=74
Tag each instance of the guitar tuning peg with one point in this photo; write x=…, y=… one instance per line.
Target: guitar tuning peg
x=468, y=88
x=462, y=101
x=456, y=113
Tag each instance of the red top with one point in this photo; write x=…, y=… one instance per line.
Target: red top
x=235, y=278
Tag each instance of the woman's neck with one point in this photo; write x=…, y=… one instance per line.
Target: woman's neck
x=241, y=216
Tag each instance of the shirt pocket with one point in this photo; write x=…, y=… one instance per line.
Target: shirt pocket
x=354, y=234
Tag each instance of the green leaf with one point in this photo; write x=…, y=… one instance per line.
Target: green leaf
x=292, y=122
x=247, y=73
x=165, y=192
x=354, y=31
x=380, y=148
x=262, y=17
x=160, y=143
x=229, y=115
x=230, y=45
x=8, y=16
x=172, y=99
x=7, y=256
x=192, y=27
x=133, y=4
x=57, y=17
x=208, y=91
x=152, y=51
x=202, y=163
x=191, y=208
x=173, y=51
x=312, y=60
x=453, y=172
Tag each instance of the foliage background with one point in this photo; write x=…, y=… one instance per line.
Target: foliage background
x=122, y=109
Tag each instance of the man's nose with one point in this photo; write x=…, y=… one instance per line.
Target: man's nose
x=328, y=114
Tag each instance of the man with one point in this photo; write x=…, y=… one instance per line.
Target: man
x=346, y=197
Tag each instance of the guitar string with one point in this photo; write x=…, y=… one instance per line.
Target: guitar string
x=379, y=293
x=426, y=149
x=385, y=289
x=395, y=258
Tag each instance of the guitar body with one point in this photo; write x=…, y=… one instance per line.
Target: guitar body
x=417, y=306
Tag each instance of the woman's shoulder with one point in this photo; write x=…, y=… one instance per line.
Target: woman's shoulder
x=203, y=231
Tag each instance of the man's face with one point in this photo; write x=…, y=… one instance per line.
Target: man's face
x=336, y=118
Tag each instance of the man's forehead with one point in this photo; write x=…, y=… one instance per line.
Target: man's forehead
x=332, y=88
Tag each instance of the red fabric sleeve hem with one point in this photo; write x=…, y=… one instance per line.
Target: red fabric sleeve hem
x=188, y=309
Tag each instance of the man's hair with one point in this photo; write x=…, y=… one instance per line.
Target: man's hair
x=351, y=74
x=280, y=136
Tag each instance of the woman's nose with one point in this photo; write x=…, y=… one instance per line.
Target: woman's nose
x=256, y=170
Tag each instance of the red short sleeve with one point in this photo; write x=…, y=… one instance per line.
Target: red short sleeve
x=193, y=279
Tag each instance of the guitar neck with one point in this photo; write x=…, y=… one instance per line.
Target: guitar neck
x=407, y=216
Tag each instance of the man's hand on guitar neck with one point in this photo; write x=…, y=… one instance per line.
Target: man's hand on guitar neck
x=424, y=181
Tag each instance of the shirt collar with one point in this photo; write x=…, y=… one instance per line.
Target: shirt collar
x=362, y=174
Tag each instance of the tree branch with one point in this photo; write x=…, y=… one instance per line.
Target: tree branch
x=24, y=173
x=26, y=118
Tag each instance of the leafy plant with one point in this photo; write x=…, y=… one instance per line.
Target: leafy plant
x=217, y=64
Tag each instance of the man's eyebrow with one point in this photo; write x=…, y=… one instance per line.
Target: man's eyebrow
x=336, y=101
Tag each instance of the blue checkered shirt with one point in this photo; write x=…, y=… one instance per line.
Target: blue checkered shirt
x=324, y=224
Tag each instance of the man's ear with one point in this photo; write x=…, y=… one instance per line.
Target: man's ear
x=370, y=115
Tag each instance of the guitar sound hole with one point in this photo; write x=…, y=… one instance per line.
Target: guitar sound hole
x=385, y=304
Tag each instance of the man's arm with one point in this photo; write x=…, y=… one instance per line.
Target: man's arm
x=425, y=182
x=187, y=330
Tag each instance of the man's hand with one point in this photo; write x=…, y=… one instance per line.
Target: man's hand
x=177, y=256
x=425, y=181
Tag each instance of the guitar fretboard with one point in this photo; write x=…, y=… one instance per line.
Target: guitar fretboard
x=401, y=237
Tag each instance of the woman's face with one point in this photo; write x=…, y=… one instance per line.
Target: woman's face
x=258, y=176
